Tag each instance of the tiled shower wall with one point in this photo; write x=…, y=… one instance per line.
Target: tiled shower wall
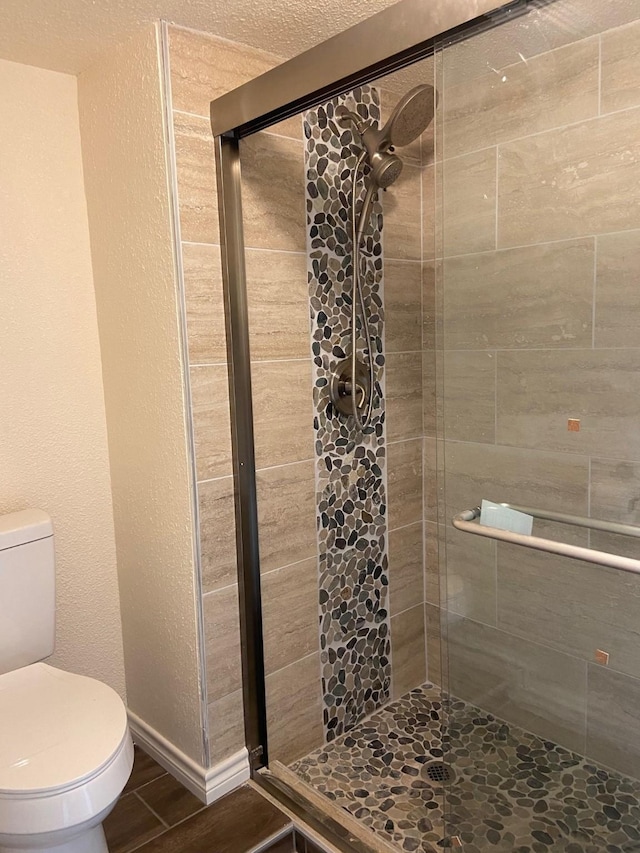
x=202, y=68
x=540, y=275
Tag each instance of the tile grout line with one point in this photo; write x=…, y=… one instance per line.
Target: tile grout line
x=154, y=813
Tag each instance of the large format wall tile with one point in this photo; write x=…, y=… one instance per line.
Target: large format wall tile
x=217, y=533
x=429, y=304
x=613, y=720
x=282, y=412
x=532, y=686
x=195, y=167
x=226, y=725
x=402, y=206
x=469, y=396
x=211, y=424
x=553, y=481
x=557, y=88
x=539, y=391
x=278, y=304
x=404, y=475
x=615, y=490
x=294, y=711
x=617, y=308
x=576, y=607
x=538, y=296
x=408, y=649
x=620, y=69
x=471, y=576
x=286, y=514
x=290, y=613
x=403, y=395
x=434, y=642
x=406, y=581
x=403, y=304
x=577, y=180
x=273, y=193
x=204, y=303
x=469, y=196
x=222, y=642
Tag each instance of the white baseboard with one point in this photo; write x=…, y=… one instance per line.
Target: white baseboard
x=206, y=783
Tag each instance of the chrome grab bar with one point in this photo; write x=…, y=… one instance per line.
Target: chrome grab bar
x=467, y=522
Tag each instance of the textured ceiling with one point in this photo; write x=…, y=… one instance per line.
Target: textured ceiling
x=66, y=35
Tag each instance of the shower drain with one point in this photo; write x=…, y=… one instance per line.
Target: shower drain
x=438, y=772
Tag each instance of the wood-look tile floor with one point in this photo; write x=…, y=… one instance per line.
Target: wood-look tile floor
x=156, y=814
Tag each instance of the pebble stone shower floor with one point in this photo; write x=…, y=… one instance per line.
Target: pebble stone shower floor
x=512, y=791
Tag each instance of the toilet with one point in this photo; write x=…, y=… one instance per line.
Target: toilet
x=65, y=748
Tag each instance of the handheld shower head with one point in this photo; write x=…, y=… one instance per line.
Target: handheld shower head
x=411, y=116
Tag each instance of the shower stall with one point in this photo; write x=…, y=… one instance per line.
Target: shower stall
x=431, y=257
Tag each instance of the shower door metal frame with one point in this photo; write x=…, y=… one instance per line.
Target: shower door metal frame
x=394, y=38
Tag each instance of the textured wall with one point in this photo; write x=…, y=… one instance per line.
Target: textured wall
x=122, y=120
x=541, y=245
x=53, y=443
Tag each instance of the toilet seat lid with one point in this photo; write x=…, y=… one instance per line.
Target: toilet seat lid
x=56, y=730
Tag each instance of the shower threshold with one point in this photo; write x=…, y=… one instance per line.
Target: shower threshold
x=507, y=789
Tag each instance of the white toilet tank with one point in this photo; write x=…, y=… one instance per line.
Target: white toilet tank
x=27, y=589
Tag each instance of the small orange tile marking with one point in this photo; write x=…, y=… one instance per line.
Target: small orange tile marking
x=602, y=657
x=573, y=425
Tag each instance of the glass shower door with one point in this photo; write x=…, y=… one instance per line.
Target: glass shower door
x=537, y=259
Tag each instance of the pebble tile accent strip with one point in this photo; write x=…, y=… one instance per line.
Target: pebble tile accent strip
x=512, y=792
x=350, y=471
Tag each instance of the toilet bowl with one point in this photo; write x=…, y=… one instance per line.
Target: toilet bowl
x=65, y=756
x=65, y=748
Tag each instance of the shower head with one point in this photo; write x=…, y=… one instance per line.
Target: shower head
x=412, y=115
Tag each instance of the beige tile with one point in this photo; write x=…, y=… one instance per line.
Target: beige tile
x=406, y=579
x=553, y=481
x=278, y=303
x=430, y=478
x=573, y=606
x=557, y=88
x=470, y=396
x=282, y=412
x=222, y=642
x=290, y=614
x=613, y=720
x=614, y=497
x=204, y=303
x=204, y=68
x=532, y=686
x=431, y=211
x=404, y=482
x=617, y=311
x=470, y=581
x=226, y=726
x=469, y=216
x=431, y=405
x=429, y=305
x=408, y=650
x=432, y=563
x=538, y=296
x=577, y=180
x=211, y=424
x=434, y=644
x=195, y=167
x=614, y=490
x=620, y=69
x=539, y=391
x=217, y=533
x=273, y=193
x=403, y=304
x=403, y=395
x=401, y=231
x=286, y=514
x=294, y=710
